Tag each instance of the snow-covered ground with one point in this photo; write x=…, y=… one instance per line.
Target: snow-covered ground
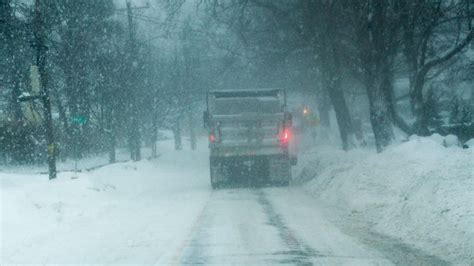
x=419, y=192
x=83, y=164
x=163, y=211
x=121, y=213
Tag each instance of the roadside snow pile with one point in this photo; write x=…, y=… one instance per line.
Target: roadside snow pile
x=419, y=191
x=124, y=213
x=470, y=144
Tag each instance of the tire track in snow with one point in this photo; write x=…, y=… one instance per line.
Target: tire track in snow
x=190, y=250
x=193, y=249
x=299, y=253
x=199, y=246
x=202, y=247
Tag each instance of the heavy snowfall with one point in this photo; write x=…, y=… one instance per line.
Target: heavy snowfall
x=237, y=132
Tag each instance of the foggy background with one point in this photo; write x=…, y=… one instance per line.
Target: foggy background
x=376, y=71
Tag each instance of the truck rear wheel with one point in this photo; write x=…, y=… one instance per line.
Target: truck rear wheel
x=216, y=173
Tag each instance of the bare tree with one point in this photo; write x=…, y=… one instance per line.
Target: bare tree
x=423, y=22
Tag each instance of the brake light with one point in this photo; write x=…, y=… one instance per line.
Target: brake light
x=285, y=136
x=212, y=138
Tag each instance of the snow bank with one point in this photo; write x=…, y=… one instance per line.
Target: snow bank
x=83, y=164
x=418, y=191
x=132, y=212
x=470, y=144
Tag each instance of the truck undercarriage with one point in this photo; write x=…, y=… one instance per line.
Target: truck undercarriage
x=257, y=170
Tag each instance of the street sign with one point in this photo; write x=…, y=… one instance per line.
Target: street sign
x=79, y=119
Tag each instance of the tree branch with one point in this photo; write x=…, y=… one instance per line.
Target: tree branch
x=439, y=60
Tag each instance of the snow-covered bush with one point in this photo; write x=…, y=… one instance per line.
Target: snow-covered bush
x=450, y=140
x=469, y=144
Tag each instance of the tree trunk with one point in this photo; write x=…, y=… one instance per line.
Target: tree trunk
x=112, y=147
x=331, y=65
x=134, y=142
x=154, y=136
x=387, y=87
x=112, y=135
x=138, y=155
x=331, y=83
x=65, y=141
x=178, y=143
x=342, y=116
x=380, y=117
x=323, y=109
x=192, y=132
x=15, y=104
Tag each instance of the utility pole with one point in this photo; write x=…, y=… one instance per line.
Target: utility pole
x=43, y=94
x=133, y=127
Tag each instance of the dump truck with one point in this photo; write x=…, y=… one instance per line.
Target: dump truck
x=249, y=137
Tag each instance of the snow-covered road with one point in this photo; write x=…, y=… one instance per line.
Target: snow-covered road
x=268, y=226
x=164, y=212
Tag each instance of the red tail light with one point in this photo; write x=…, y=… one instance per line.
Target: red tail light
x=285, y=136
x=212, y=138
